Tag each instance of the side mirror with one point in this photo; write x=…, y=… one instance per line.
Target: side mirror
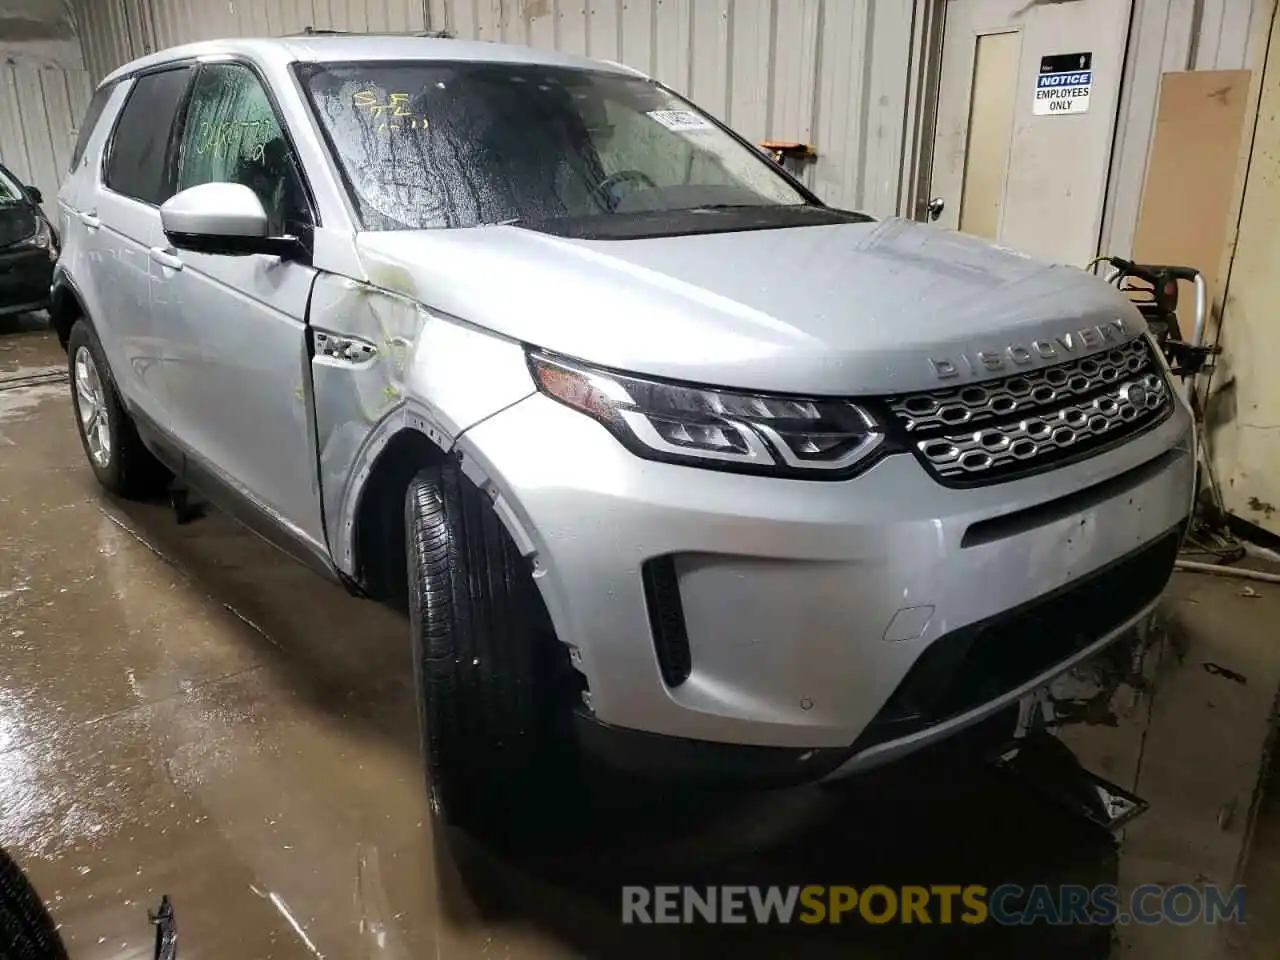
x=36, y=194
x=222, y=218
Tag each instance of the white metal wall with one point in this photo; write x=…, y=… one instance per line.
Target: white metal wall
x=1168, y=36
x=110, y=32
x=43, y=94
x=117, y=31
x=180, y=21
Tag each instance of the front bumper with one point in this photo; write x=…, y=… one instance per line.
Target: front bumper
x=26, y=275
x=806, y=604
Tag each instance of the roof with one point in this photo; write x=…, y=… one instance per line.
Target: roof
x=335, y=48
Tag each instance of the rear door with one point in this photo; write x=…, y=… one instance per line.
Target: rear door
x=239, y=393
x=78, y=221
x=123, y=224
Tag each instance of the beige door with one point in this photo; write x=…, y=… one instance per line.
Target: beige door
x=1026, y=108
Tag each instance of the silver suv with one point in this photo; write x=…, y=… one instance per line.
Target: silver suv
x=669, y=462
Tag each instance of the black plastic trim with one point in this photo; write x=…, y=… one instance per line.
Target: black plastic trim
x=666, y=619
x=286, y=248
x=639, y=753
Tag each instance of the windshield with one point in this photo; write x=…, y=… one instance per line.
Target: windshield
x=10, y=190
x=431, y=144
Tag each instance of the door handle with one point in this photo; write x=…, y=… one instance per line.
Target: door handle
x=165, y=258
x=90, y=220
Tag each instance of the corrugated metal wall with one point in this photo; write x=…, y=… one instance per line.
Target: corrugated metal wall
x=1167, y=36
x=110, y=33
x=117, y=31
x=179, y=21
x=42, y=99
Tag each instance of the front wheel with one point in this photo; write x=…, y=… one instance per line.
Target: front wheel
x=494, y=685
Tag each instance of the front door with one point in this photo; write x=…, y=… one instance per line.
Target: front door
x=1026, y=108
x=238, y=384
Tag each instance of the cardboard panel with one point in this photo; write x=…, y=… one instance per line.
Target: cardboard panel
x=1190, y=175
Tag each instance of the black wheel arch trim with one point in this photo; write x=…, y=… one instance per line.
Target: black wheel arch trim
x=64, y=286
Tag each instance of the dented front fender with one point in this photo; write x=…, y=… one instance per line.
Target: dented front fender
x=383, y=362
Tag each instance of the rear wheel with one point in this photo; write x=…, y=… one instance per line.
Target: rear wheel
x=494, y=685
x=27, y=932
x=117, y=455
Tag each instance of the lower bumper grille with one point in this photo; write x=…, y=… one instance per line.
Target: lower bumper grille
x=1003, y=429
x=984, y=661
x=666, y=620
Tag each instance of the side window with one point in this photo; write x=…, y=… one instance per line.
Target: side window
x=140, y=143
x=232, y=135
x=91, y=117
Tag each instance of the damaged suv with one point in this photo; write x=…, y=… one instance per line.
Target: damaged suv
x=669, y=462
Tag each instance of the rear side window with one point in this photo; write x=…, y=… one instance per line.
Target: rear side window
x=136, y=167
x=91, y=118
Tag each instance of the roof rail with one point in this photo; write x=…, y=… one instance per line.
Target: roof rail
x=310, y=31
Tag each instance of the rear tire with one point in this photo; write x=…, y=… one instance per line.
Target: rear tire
x=120, y=461
x=27, y=932
x=494, y=686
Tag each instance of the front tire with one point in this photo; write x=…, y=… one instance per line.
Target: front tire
x=120, y=461
x=493, y=683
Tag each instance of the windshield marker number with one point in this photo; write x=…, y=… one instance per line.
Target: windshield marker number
x=394, y=114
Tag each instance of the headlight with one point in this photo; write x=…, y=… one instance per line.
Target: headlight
x=43, y=238
x=719, y=429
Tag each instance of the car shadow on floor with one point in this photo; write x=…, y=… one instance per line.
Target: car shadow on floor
x=944, y=817
x=14, y=323
x=941, y=817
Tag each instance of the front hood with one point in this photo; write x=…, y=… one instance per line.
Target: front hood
x=850, y=309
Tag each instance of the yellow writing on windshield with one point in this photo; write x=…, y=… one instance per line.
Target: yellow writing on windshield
x=394, y=113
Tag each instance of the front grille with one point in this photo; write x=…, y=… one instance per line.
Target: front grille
x=1002, y=429
x=979, y=663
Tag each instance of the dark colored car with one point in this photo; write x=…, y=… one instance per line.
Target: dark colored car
x=28, y=247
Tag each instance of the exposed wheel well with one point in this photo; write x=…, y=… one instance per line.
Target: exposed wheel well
x=379, y=544
x=64, y=310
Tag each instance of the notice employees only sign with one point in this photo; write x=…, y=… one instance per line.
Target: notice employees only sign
x=1063, y=84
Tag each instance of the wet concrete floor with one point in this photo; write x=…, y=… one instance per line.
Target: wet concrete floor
x=183, y=711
